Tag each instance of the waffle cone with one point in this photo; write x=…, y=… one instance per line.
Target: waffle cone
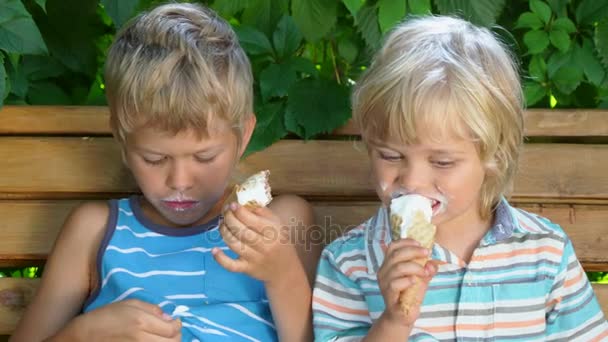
x=423, y=232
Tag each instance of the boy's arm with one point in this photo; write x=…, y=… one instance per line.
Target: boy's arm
x=573, y=312
x=66, y=284
x=66, y=278
x=290, y=295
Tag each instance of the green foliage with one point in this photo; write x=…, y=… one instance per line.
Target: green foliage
x=568, y=37
x=598, y=277
x=27, y=272
x=306, y=54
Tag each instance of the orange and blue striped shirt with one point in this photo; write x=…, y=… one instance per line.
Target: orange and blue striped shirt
x=523, y=283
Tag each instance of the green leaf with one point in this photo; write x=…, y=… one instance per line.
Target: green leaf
x=286, y=38
x=269, y=128
x=253, y=41
x=591, y=11
x=368, y=27
x=353, y=6
x=390, y=12
x=560, y=40
x=536, y=41
x=3, y=87
x=558, y=60
x=319, y=105
x=482, y=12
x=591, y=65
x=18, y=32
x=538, y=68
x=533, y=92
x=601, y=41
x=228, y=8
x=564, y=24
x=17, y=78
x=42, y=4
x=120, y=10
x=41, y=67
x=276, y=79
x=348, y=49
x=558, y=6
x=47, y=93
x=73, y=41
x=304, y=66
x=419, y=6
x=541, y=9
x=314, y=18
x=567, y=78
x=529, y=20
x=264, y=14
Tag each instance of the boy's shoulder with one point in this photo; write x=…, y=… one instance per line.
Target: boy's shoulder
x=355, y=243
x=534, y=224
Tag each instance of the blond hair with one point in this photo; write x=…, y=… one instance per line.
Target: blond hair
x=177, y=67
x=444, y=74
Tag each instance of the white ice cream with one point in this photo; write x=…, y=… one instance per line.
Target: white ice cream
x=256, y=189
x=406, y=206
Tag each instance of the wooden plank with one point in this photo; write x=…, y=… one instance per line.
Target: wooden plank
x=16, y=294
x=551, y=172
x=545, y=123
x=29, y=228
x=69, y=120
x=73, y=120
x=601, y=291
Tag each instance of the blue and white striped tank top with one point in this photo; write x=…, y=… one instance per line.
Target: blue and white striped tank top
x=174, y=268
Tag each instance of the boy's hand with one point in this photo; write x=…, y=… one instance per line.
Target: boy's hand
x=129, y=320
x=398, y=272
x=261, y=242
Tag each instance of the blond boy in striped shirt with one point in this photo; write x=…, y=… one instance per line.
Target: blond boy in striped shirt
x=440, y=111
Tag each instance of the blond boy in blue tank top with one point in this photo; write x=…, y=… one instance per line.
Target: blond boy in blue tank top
x=161, y=266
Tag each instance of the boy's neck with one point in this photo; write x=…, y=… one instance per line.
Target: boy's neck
x=463, y=238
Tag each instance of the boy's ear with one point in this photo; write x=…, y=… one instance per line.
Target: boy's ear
x=248, y=127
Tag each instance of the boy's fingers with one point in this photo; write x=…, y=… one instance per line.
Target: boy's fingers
x=407, y=253
x=233, y=265
x=144, y=306
x=404, y=269
x=233, y=242
x=162, y=328
x=240, y=230
x=252, y=218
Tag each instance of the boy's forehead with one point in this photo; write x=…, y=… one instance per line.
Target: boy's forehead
x=151, y=134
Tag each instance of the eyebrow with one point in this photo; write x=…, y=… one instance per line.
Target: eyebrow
x=205, y=150
x=439, y=151
x=444, y=151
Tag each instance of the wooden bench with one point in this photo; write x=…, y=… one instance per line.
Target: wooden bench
x=54, y=157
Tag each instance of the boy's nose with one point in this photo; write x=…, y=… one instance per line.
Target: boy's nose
x=179, y=178
x=414, y=178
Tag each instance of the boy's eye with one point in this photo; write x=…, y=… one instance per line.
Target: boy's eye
x=202, y=159
x=443, y=164
x=390, y=157
x=155, y=161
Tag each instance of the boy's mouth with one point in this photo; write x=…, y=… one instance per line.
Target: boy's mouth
x=437, y=206
x=180, y=205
